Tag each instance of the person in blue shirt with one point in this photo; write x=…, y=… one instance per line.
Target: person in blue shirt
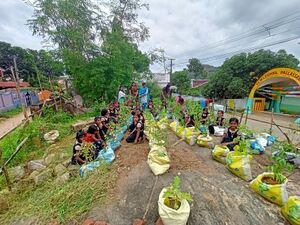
x=143, y=95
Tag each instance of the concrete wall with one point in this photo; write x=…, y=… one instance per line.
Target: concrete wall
x=290, y=105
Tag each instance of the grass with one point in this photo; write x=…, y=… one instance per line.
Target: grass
x=62, y=203
x=10, y=113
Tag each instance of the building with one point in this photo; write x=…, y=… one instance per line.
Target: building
x=10, y=84
x=196, y=83
x=162, y=79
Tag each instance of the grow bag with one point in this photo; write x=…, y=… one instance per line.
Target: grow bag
x=180, y=132
x=171, y=216
x=158, y=160
x=291, y=210
x=163, y=123
x=274, y=193
x=174, y=125
x=239, y=165
x=107, y=155
x=205, y=141
x=219, y=153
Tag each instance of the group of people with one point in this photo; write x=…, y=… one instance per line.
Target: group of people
x=138, y=101
x=96, y=135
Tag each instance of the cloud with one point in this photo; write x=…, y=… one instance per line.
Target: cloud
x=188, y=28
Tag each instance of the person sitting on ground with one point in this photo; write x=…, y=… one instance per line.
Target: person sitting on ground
x=151, y=108
x=164, y=105
x=139, y=113
x=105, y=120
x=113, y=113
x=231, y=133
x=220, y=122
x=189, y=121
x=137, y=131
x=94, y=136
x=204, y=116
x=78, y=157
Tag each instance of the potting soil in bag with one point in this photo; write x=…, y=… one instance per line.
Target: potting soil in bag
x=256, y=148
x=239, y=165
x=205, y=141
x=84, y=169
x=274, y=193
x=171, y=216
x=158, y=161
x=174, y=125
x=180, y=132
x=191, y=139
x=107, y=155
x=291, y=210
x=219, y=153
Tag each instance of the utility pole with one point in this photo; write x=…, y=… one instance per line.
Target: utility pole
x=15, y=75
x=171, y=69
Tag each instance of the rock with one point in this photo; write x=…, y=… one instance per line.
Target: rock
x=3, y=206
x=63, y=178
x=59, y=169
x=74, y=168
x=16, y=173
x=101, y=223
x=43, y=176
x=34, y=174
x=64, y=156
x=49, y=159
x=80, y=125
x=51, y=136
x=88, y=222
x=138, y=222
x=36, y=165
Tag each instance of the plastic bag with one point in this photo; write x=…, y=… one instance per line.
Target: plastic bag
x=191, y=139
x=262, y=141
x=158, y=161
x=274, y=193
x=174, y=125
x=171, y=216
x=180, y=132
x=219, y=153
x=114, y=145
x=291, y=210
x=239, y=165
x=84, y=169
x=205, y=141
x=107, y=155
x=219, y=131
x=271, y=140
x=256, y=148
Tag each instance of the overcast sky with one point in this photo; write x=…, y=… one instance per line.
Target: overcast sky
x=191, y=28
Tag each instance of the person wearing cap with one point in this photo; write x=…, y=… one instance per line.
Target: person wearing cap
x=143, y=95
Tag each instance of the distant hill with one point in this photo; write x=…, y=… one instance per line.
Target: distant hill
x=210, y=69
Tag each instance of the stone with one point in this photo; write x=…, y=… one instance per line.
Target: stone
x=64, y=155
x=80, y=125
x=51, y=136
x=138, y=222
x=34, y=174
x=16, y=173
x=3, y=206
x=59, y=169
x=101, y=223
x=88, y=222
x=63, y=178
x=36, y=165
x=49, y=159
x=43, y=176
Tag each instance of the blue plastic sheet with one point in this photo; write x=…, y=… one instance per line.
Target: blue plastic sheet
x=256, y=148
x=84, y=169
x=271, y=140
x=202, y=129
x=114, y=145
x=107, y=155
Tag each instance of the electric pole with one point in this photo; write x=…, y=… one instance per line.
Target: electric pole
x=171, y=69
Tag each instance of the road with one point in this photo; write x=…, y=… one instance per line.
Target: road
x=9, y=124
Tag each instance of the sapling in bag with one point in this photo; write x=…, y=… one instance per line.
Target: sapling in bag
x=219, y=153
x=158, y=161
x=174, y=125
x=173, y=206
x=238, y=162
x=205, y=141
x=291, y=210
x=180, y=132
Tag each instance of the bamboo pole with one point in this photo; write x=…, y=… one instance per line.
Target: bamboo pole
x=5, y=172
x=19, y=147
x=247, y=113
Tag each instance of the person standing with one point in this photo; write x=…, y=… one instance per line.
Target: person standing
x=121, y=95
x=133, y=94
x=143, y=95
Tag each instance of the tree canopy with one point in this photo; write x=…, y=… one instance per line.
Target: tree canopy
x=238, y=74
x=181, y=80
x=196, y=69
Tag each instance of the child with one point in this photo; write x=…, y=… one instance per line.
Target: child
x=140, y=115
x=105, y=120
x=220, y=122
x=78, y=157
x=112, y=113
x=189, y=121
x=231, y=133
x=94, y=135
x=204, y=116
x=137, y=131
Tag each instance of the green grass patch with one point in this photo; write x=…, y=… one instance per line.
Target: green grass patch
x=10, y=113
x=62, y=203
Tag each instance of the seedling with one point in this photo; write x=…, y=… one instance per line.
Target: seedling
x=174, y=196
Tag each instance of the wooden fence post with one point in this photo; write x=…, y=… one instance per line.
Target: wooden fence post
x=247, y=112
x=5, y=171
x=272, y=119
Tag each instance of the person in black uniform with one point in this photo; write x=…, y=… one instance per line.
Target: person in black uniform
x=78, y=157
x=220, y=122
x=137, y=131
x=204, y=116
x=231, y=133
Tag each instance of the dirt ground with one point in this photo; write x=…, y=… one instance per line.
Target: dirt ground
x=219, y=197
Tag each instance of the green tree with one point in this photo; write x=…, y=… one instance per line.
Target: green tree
x=181, y=80
x=238, y=74
x=196, y=69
